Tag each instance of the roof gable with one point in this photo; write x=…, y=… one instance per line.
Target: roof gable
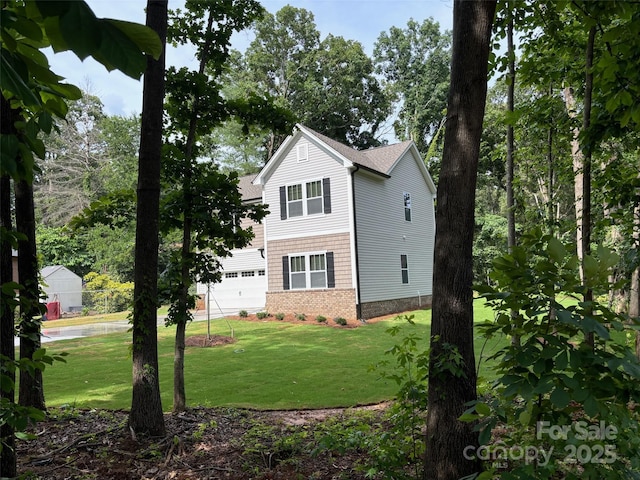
x=379, y=160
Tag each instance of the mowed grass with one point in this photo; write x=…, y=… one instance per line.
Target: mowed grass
x=272, y=365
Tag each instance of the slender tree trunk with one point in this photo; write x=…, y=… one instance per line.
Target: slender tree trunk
x=31, y=392
x=7, y=326
x=447, y=439
x=146, y=414
x=511, y=215
x=585, y=219
x=634, y=290
x=551, y=172
x=179, y=392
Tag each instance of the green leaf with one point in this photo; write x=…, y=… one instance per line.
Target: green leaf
x=144, y=37
x=80, y=29
x=117, y=51
x=591, y=406
x=12, y=81
x=525, y=417
x=556, y=250
x=560, y=398
x=483, y=409
x=590, y=324
x=468, y=417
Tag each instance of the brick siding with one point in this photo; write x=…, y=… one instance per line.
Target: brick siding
x=330, y=303
x=389, y=307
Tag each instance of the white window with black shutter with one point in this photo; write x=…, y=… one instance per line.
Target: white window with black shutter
x=309, y=198
x=303, y=271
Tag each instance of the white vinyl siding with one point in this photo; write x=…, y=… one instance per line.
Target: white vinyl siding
x=384, y=233
x=291, y=172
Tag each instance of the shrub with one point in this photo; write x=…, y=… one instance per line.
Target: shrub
x=321, y=319
x=262, y=315
x=280, y=316
x=340, y=321
x=106, y=295
x=544, y=381
x=243, y=313
x=301, y=316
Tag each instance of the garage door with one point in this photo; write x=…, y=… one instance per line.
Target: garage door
x=239, y=290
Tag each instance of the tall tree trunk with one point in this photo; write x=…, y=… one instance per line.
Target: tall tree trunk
x=585, y=219
x=7, y=326
x=31, y=392
x=146, y=414
x=634, y=290
x=452, y=317
x=551, y=172
x=511, y=215
x=179, y=392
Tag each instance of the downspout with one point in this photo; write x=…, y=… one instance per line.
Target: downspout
x=355, y=242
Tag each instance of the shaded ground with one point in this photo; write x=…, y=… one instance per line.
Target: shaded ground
x=204, y=443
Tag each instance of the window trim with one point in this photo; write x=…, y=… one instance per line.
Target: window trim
x=305, y=199
x=407, y=209
x=302, y=152
x=329, y=270
x=405, y=268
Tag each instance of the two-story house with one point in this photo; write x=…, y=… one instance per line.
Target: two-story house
x=349, y=234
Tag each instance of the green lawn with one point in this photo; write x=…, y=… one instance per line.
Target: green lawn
x=272, y=365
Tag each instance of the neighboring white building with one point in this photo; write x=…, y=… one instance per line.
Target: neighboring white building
x=350, y=233
x=63, y=286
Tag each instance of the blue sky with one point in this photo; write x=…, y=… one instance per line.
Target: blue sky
x=361, y=20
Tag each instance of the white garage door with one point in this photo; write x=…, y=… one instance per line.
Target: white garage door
x=239, y=290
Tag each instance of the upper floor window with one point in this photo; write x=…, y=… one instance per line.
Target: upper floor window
x=407, y=206
x=308, y=198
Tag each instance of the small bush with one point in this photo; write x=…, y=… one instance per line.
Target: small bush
x=340, y=321
x=262, y=315
x=301, y=316
x=243, y=313
x=280, y=316
x=321, y=319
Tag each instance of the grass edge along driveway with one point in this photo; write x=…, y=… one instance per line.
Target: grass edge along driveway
x=272, y=365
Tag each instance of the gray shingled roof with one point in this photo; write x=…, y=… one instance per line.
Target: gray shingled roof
x=248, y=190
x=379, y=159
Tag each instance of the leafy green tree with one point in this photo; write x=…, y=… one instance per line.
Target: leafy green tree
x=121, y=140
x=452, y=374
x=288, y=62
x=104, y=294
x=58, y=246
x=541, y=379
x=199, y=200
x=415, y=63
x=33, y=94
